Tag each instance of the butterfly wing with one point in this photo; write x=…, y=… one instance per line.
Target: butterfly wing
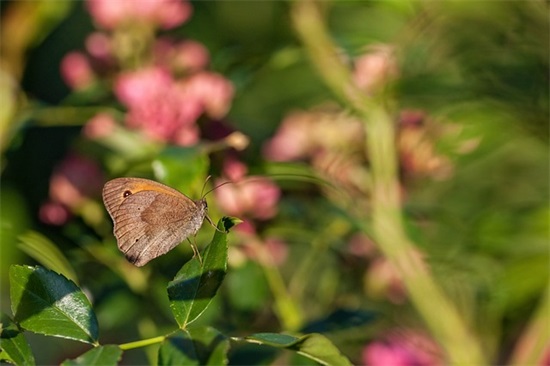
x=149, y=218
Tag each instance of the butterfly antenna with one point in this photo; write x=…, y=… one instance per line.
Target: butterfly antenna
x=204, y=186
x=218, y=186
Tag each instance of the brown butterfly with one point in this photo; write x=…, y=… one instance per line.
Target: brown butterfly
x=150, y=219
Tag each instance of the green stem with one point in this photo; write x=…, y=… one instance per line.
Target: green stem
x=438, y=312
x=142, y=343
x=286, y=309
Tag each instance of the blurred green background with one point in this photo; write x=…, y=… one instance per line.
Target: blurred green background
x=477, y=68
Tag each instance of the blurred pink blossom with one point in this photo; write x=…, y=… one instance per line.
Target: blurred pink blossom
x=74, y=179
x=278, y=250
x=361, y=245
x=418, y=151
x=100, y=125
x=412, y=117
x=306, y=134
x=268, y=251
x=246, y=228
x=234, y=169
x=134, y=88
x=408, y=348
x=166, y=14
x=254, y=196
x=382, y=279
x=191, y=56
x=292, y=140
x=54, y=213
x=213, y=90
x=374, y=68
x=98, y=45
x=163, y=108
x=187, y=56
x=76, y=70
x=545, y=358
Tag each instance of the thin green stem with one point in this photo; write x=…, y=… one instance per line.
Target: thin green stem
x=286, y=309
x=142, y=343
x=438, y=312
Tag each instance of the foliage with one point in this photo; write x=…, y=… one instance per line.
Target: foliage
x=388, y=161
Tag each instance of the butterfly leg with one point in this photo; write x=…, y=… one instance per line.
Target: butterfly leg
x=214, y=226
x=195, y=249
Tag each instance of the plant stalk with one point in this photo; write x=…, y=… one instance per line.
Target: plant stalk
x=439, y=313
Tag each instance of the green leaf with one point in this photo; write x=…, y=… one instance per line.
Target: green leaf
x=273, y=339
x=196, y=283
x=13, y=345
x=101, y=356
x=195, y=346
x=46, y=302
x=319, y=348
x=45, y=252
x=313, y=346
x=182, y=167
x=211, y=346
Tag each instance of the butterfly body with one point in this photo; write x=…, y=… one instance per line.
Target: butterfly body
x=150, y=218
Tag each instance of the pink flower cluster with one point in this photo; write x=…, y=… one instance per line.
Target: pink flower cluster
x=332, y=141
x=167, y=109
x=253, y=196
x=165, y=14
x=403, y=348
x=170, y=90
x=268, y=251
x=74, y=180
x=374, y=68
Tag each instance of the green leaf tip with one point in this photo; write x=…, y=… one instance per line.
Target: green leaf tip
x=227, y=222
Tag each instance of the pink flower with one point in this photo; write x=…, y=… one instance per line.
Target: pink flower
x=191, y=56
x=234, y=169
x=293, y=139
x=100, y=125
x=382, y=279
x=160, y=106
x=409, y=348
x=374, y=68
x=99, y=46
x=311, y=133
x=382, y=354
x=545, y=357
x=187, y=56
x=254, y=195
x=76, y=70
x=214, y=91
x=278, y=250
x=134, y=88
x=361, y=245
x=166, y=14
x=54, y=213
x=412, y=117
x=75, y=179
x=269, y=251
